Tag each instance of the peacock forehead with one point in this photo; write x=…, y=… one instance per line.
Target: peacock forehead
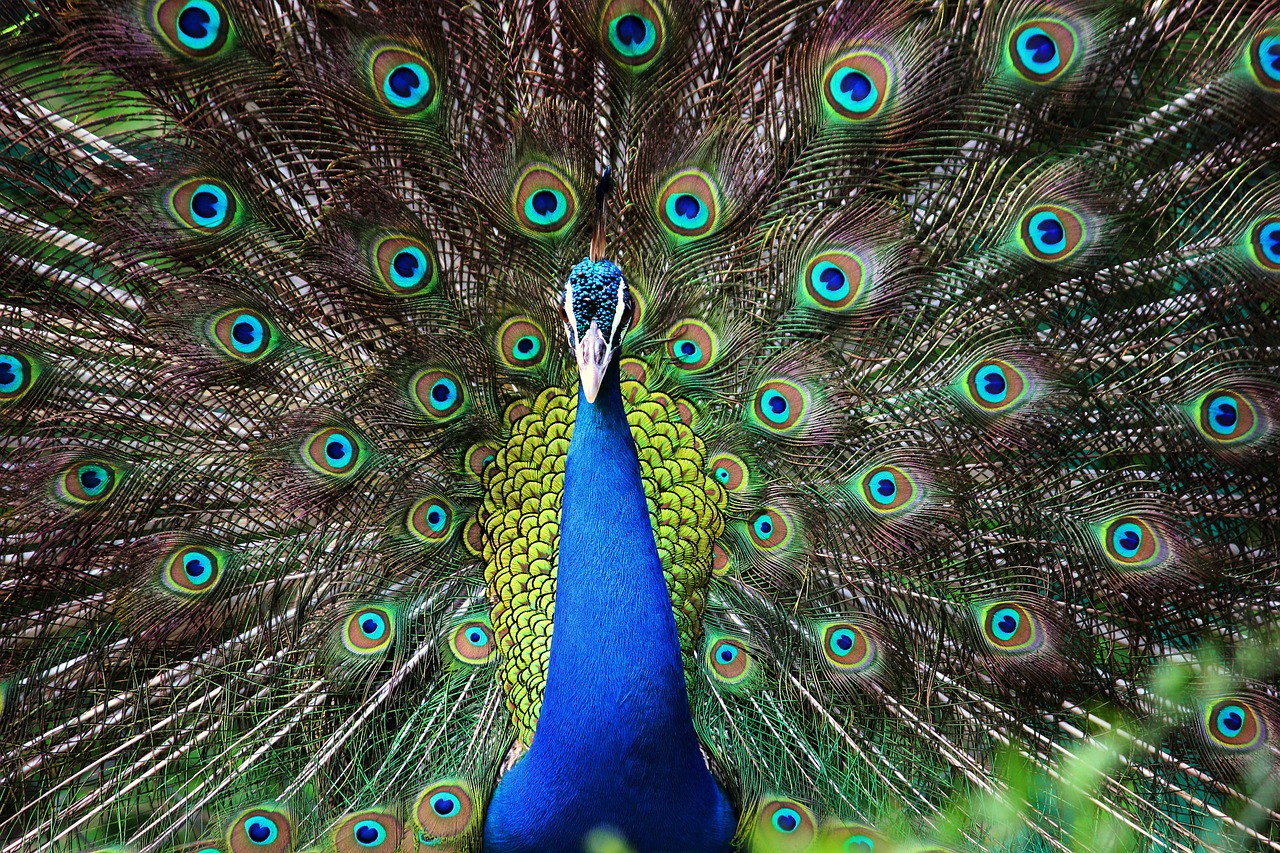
x=521, y=517
x=592, y=292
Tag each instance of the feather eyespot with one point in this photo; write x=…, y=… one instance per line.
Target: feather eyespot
x=1264, y=59
x=369, y=832
x=439, y=394
x=444, y=810
x=1264, y=242
x=1232, y=723
x=473, y=642
x=1227, y=417
x=1042, y=50
x=633, y=32
x=729, y=660
x=857, y=85
x=193, y=570
x=368, y=631
x=333, y=451
x=730, y=472
x=888, y=490
x=1133, y=543
x=720, y=560
x=1009, y=627
x=431, y=519
x=544, y=203
x=474, y=537
x=784, y=825
x=261, y=830
x=243, y=334
x=689, y=204
x=195, y=28
x=87, y=483
x=405, y=266
x=833, y=280
x=1051, y=233
x=479, y=457
x=17, y=374
x=995, y=385
x=780, y=406
x=522, y=343
x=856, y=838
x=847, y=647
x=403, y=81
x=204, y=204
x=691, y=345
x=769, y=529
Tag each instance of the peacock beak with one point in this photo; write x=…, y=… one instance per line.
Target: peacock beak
x=593, y=354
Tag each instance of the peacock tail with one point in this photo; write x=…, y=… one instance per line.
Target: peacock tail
x=953, y=375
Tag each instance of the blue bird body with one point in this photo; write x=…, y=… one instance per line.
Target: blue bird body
x=615, y=744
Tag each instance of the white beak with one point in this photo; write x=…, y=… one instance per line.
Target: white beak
x=593, y=356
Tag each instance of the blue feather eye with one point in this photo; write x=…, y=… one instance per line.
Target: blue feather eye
x=444, y=810
x=1227, y=417
x=729, y=471
x=87, y=483
x=632, y=32
x=479, y=457
x=431, y=520
x=473, y=642
x=729, y=660
x=204, y=204
x=856, y=86
x=833, y=280
x=1010, y=628
x=1051, y=233
x=847, y=647
x=261, y=830
x=543, y=201
x=779, y=406
x=1133, y=543
x=1264, y=243
x=439, y=394
x=243, y=334
x=995, y=385
x=403, y=81
x=784, y=825
x=888, y=490
x=405, y=266
x=195, y=28
x=1232, y=723
x=333, y=451
x=369, y=832
x=369, y=631
x=522, y=343
x=17, y=375
x=1264, y=59
x=1042, y=50
x=689, y=204
x=192, y=570
x=691, y=345
x=770, y=529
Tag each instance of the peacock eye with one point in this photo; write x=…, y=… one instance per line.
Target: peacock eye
x=444, y=810
x=333, y=451
x=785, y=825
x=691, y=345
x=87, y=483
x=888, y=489
x=439, y=393
x=1264, y=241
x=431, y=519
x=261, y=831
x=632, y=32
x=192, y=570
x=522, y=343
x=403, y=81
x=1233, y=724
x=856, y=86
x=1227, y=417
x=405, y=266
x=729, y=471
x=473, y=642
x=780, y=405
x=1042, y=50
x=770, y=529
x=1132, y=542
x=847, y=647
x=1264, y=59
x=995, y=385
x=1051, y=233
x=204, y=204
x=17, y=375
x=833, y=280
x=243, y=334
x=729, y=660
x=368, y=631
x=689, y=204
x=1010, y=627
x=543, y=201
x=195, y=28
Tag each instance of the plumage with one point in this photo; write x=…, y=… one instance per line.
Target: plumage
x=922, y=355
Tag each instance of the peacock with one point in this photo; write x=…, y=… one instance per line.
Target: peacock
x=875, y=401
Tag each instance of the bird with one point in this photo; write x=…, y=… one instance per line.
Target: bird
x=668, y=426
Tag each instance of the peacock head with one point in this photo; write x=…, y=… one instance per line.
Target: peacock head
x=597, y=309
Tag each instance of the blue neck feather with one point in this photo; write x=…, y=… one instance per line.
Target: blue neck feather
x=615, y=743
